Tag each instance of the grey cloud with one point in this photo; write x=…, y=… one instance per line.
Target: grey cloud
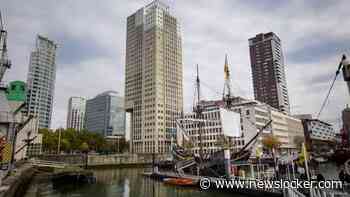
x=324, y=46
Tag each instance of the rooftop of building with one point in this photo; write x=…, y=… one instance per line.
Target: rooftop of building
x=77, y=97
x=236, y=102
x=46, y=39
x=317, y=120
x=108, y=93
x=262, y=36
x=157, y=3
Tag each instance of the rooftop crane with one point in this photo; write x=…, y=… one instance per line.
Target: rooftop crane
x=5, y=63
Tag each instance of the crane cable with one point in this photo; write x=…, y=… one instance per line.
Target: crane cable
x=331, y=87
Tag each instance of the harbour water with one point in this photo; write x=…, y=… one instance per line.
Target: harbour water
x=118, y=183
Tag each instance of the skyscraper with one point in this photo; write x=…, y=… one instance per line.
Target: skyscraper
x=267, y=65
x=76, y=113
x=41, y=80
x=105, y=114
x=153, y=77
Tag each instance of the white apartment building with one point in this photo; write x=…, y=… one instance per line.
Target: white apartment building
x=153, y=77
x=211, y=128
x=254, y=115
x=41, y=81
x=76, y=113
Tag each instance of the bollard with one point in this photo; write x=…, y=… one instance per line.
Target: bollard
x=227, y=160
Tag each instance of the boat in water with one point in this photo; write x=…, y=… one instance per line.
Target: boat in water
x=180, y=181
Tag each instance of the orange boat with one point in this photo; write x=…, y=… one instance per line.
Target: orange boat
x=179, y=181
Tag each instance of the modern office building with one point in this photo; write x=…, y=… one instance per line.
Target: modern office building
x=76, y=113
x=284, y=127
x=254, y=115
x=319, y=130
x=267, y=64
x=153, y=77
x=212, y=135
x=105, y=114
x=41, y=80
x=318, y=134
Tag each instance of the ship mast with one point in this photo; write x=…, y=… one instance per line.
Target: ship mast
x=227, y=93
x=198, y=109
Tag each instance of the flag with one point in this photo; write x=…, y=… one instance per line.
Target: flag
x=226, y=70
x=303, y=155
x=258, y=152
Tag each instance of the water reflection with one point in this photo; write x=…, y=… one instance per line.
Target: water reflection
x=118, y=183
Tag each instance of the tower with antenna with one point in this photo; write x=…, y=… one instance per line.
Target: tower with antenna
x=5, y=63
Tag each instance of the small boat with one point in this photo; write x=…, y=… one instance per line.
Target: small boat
x=180, y=181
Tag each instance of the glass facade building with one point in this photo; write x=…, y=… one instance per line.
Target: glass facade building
x=105, y=114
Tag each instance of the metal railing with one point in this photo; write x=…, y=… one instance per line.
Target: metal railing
x=45, y=163
x=292, y=192
x=7, y=117
x=315, y=192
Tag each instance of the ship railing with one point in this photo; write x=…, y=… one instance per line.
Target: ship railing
x=292, y=192
x=317, y=192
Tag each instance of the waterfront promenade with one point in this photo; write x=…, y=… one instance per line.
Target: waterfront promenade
x=94, y=160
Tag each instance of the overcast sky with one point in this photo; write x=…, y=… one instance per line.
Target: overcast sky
x=92, y=34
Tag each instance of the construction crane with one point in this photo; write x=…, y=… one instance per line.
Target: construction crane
x=5, y=63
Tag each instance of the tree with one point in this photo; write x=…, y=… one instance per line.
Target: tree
x=65, y=145
x=298, y=141
x=72, y=140
x=271, y=142
x=84, y=147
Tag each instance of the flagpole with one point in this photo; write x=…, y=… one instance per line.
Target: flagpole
x=306, y=163
x=293, y=171
x=307, y=168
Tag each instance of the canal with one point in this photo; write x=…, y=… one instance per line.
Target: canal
x=118, y=183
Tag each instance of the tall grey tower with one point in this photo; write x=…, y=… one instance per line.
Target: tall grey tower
x=267, y=65
x=153, y=77
x=41, y=80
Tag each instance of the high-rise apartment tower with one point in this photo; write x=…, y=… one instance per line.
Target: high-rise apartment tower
x=41, y=80
x=267, y=65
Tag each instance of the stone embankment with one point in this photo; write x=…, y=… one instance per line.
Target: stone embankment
x=17, y=182
x=117, y=160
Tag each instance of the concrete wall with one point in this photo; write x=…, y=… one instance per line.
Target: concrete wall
x=105, y=160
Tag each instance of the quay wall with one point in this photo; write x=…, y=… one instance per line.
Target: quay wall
x=17, y=184
x=105, y=160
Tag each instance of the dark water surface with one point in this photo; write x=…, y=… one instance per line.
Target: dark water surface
x=118, y=183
